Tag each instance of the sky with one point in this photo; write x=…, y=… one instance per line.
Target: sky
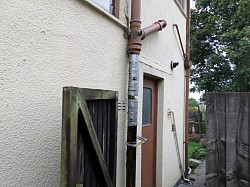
x=192, y=3
x=194, y=95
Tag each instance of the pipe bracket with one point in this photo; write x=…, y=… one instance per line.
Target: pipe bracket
x=134, y=144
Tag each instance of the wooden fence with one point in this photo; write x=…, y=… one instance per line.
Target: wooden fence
x=227, y=147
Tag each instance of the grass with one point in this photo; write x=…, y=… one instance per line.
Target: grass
x=192, y=146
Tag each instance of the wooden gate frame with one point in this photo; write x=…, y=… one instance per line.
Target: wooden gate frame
x=74, y=99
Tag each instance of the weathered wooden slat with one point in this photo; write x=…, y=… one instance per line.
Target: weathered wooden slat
x=82, y=165
x=94, y=141
x=232, y=119
x=94, y=94
x=87, y=157
x=242, y=146
x=215, y=140
x=92, y=170
x=107, y=123
x=104, y=130
x=78, y=155
x=228, y=124
x=69, y=137
x=113, y=138
x=99, y=128
x=95, y=122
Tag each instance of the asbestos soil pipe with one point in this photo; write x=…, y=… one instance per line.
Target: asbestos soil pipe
x=187, y=66
x=134, y=48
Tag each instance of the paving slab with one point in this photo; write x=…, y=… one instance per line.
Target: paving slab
x=199, y=175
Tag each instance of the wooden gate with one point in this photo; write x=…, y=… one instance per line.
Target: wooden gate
x=89, y=134
x=227, y=151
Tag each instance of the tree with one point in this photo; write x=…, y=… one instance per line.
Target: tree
x=220, y=45
x=192, y=102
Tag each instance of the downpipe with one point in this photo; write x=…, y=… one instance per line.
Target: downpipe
x=134, y=48
x=132, y=119
x=187, y=65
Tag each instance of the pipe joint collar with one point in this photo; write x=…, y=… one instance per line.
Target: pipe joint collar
x=162, y=24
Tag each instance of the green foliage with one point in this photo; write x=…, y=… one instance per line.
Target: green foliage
x=220, y=45
x=193, y=109
x=192, y=102
x=192, y=146
x=196, y=150
x=199, y=153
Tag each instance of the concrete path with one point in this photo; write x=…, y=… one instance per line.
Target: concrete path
x=199, y=175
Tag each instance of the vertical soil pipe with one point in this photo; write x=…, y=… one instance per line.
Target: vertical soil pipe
x=134, y=48
x=187, y=66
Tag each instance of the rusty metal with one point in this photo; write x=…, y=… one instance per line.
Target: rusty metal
x=179, y=36
x=157, y=26
x=134, y=45
x=187, y=66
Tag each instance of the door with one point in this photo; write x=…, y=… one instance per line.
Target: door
x=149, y=125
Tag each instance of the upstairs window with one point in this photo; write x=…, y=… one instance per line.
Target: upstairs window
x=182, y=3
x=110, y=6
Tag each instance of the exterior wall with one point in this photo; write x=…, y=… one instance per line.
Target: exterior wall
x=158, y=50
x=46, y=45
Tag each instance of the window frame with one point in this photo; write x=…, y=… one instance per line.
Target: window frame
x=182, y=3
x=115, y=7
x=182, y=6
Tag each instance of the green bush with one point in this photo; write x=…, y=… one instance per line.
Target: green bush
x=199, y=153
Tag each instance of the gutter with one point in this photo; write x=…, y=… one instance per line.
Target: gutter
x=134, y=47
x=187, y=65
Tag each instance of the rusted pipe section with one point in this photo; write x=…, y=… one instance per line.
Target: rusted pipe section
x=134, y=45
x=187, y=63
x=157, y=26
x=187, y=66
x=179, y=36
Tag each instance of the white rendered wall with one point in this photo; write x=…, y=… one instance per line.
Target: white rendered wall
x=44, y=46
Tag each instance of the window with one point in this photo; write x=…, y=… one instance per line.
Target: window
x=146, y=106
x=182, y=3
x=110, y=6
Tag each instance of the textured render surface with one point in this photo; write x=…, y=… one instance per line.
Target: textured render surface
x=46, y=45
x=49, y=44
x=158, y=50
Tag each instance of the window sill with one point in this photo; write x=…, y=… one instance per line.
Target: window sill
x=102, y=11
x=181, y=9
